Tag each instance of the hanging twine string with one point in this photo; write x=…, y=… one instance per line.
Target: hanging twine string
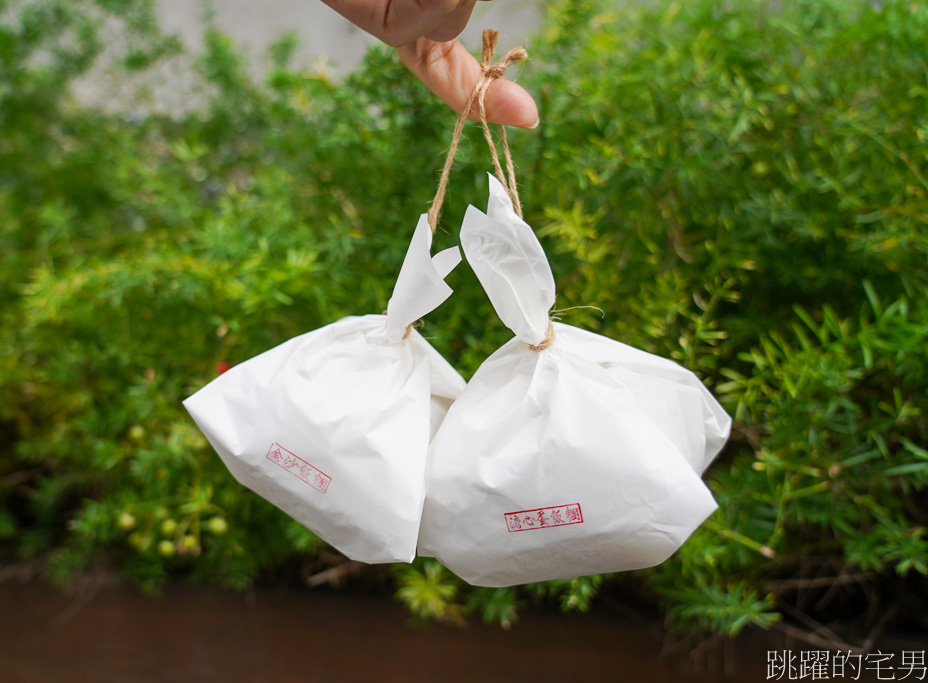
x=488, y=74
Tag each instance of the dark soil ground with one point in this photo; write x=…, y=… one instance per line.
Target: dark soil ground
x=108, y=631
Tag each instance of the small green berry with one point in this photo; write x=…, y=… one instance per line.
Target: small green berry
x=217, y=526
x=760, y=168
x=166, y=549
x=168, y=527
x=126, y=521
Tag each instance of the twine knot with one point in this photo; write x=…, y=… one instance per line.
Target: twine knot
x=494, y=71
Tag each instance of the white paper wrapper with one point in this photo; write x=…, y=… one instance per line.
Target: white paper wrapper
x=333, y=426
x=672, y=396
x=582, y=458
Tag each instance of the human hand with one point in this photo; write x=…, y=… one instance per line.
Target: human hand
x=425, y=37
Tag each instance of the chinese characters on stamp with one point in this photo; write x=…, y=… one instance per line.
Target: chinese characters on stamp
x=541, y=518
x=298, y=467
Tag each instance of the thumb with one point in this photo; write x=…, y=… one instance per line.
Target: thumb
x=451, y=72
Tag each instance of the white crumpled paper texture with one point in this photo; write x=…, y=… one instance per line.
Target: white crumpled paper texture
x=510, y=264
x=420, y=287
x=582, y=458
x=333, y=426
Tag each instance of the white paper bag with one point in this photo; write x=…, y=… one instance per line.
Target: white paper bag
x=333, y=426
x=577, y=459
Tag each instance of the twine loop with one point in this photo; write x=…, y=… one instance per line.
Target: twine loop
x=489, y=72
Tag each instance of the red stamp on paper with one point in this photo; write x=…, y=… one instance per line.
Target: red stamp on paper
x=298, y=467
x=542, y=518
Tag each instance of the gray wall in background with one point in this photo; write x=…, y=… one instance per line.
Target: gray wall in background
x=254, y=24
x=327, y=41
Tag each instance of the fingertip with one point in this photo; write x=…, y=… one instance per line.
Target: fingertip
x=509, y=104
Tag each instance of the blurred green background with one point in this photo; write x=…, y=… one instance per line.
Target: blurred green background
x=741, y=186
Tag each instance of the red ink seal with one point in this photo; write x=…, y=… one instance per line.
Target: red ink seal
x=298, y=467
x=541, y=518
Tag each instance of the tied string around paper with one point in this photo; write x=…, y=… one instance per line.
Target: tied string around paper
x=547, y=341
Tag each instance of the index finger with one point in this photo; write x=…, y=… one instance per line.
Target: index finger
x=451, y=73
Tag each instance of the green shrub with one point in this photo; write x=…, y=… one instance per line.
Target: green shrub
x=738, y=186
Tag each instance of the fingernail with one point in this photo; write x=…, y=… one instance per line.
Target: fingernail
x=535, y=125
